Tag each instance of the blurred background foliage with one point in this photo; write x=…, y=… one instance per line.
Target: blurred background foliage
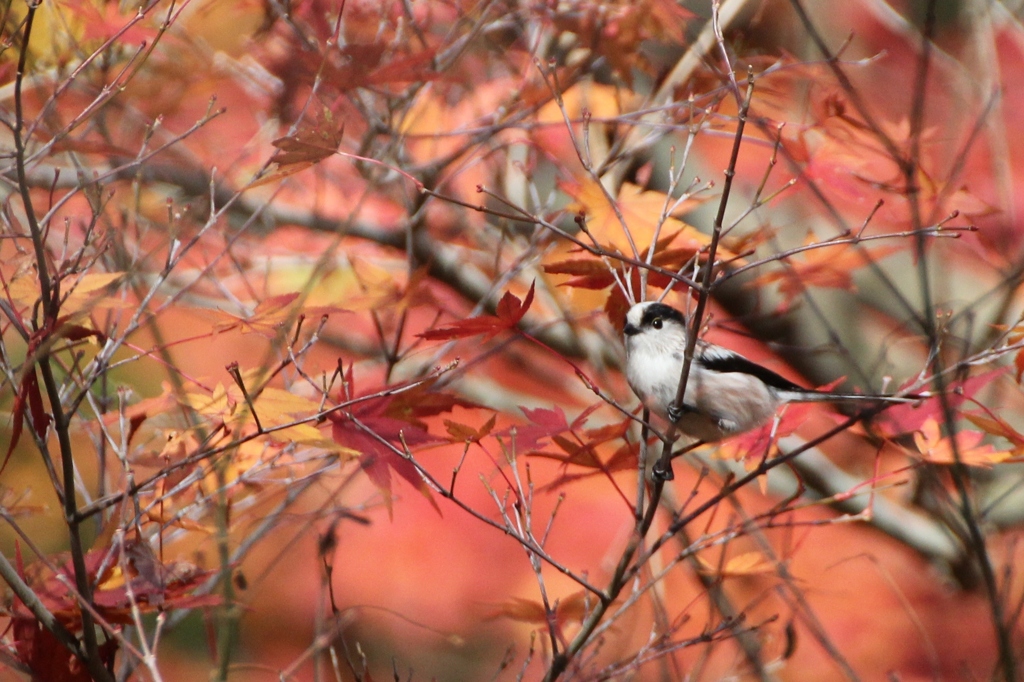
x=268, y=220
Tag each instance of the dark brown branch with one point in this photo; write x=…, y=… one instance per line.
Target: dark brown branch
x=50, y=298
x=28, y=597
x=664, y=467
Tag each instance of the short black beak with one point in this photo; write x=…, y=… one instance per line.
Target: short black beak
x=630, y=330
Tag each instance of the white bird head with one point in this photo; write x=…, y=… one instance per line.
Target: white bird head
x=654, y=326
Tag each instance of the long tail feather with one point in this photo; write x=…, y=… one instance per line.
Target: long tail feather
x=815, y=397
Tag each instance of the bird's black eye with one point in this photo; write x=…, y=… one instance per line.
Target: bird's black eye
x=656, y=323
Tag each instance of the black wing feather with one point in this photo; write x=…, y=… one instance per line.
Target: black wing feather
x=728, y=362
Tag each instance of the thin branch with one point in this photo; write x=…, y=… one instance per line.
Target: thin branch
x=664, y=466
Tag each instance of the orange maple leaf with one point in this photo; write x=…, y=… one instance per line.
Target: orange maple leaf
x=938, y=449
x=822, y=267
x=462, y=433
x=640, y=211
x=992, y=424
x=571, y=608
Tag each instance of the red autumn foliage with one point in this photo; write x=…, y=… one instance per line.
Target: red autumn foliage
x=222, y=214
x=509, y=311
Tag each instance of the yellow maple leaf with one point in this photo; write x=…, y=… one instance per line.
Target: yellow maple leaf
x=279, y=403
x=218, y=403
x=746, y=564
x=79, y=294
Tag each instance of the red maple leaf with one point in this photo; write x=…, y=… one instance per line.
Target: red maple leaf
x=153, y=585
x=762, y=441
x=908, y=418
x=543, y=423
x=509, y=312
x=381, y=428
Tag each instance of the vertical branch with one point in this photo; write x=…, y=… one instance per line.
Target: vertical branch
x=622, y=572
x=61, y=427
x=910, y=166
x=707, y=275
x=19, y=161
x=227, y=618
x=50, y=298
x=959, y=473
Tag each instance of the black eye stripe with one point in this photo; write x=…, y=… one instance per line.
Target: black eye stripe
x=661, y=312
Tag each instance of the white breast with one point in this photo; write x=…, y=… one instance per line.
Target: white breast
x=725, y=403
x=654, y=377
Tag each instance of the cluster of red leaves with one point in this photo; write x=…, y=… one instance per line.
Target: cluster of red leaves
x=826, y=268
x=762, y=442
x=363, y=61
x=577, y=445
x=617, y=27
x=42, y=654
x=141, y=583
x=384, y=427
x=594, y=274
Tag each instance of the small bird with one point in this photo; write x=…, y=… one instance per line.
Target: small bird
x=726, y=393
